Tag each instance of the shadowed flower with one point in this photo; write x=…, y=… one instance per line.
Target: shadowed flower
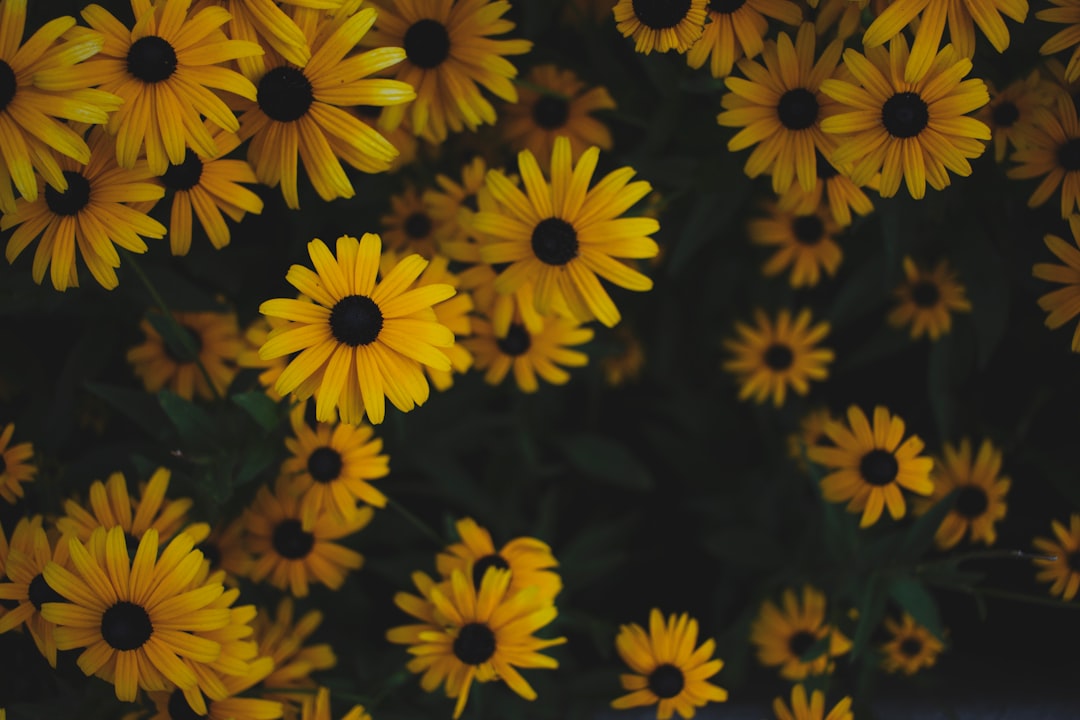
x=1061, y=566
x=805, y=242
x=980, y=493
x=26, y=590
x=911, y=648
x=927, y=298
x=737, y=28
x=16, y=466
x=812, y=709
x=1062, y=304
x=526, y=354
x=1053, y=151
x=785, y=635
x=660, y=25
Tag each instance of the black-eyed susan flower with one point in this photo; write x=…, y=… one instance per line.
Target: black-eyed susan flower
x=529, y=560
x=561, y=235
x=917, y=131
x=268, y=23
x=927, y=299
x=16, y=466
x=980, y=493
x=317, y=707
x=451, y=56
x=224, y=549
x=475, y=634
x=779, y=106
x=204, y=368
x=1053, y=151
x=911, y=648
x=505, y=309
x=302, y=113
x=736, y=28
x=174, y=706
x=88, y=219
x=805, y=242
x=833, y=189
x=1065, y=12
x=870, y=464
x=812, y=708
x=811, y=432
x=270, y=369
x=555, y=103
x=451, y=208
x=366, y=340
x=845, y=16
x=1009, y=113
x=1062, y=304
x=526, y=354
x=771, y=357
x=31, y=111
x=660, y=25
x=408, y=227
x=1061, y=564
x=283, y=637
x=26, y=591
x=291, y=558
x=784, y=634
x=331, y=467
x=670, y=669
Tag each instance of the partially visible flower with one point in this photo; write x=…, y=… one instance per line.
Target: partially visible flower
x=805, y=242
x=980, y=497
x=317, y=707
x=213, y=344
x=26, y=590
x=1063, y=304
x=833, y=189
x=927, y=298
x=408, y=227
x=283, y=637
x=174, y=706
x=527, y=355
x=911, y=648
x=814, y=709
x=627, y=359
x=16, y=465
x=660, y=25
x=811, y=432
x=451, y=208
x=737, y=28
x=785, y=634
x=1053, y=153
x=1009, y=114
x=1061, y=566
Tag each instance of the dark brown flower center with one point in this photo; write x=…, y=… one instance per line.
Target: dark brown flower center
x=475, y=644
x=179, y=709
x=778, y=356
x=356, y=320
x=1068, y=155
x=666, y=681
x=324, y=464
x=186, y=175
x=971, y=501
x=925, y=294
x=550, y=112
x=660, y=14
x=725, y=7
x=71, y=201
x=1005, y=114
x=284, y=94
x=291, y=541
x=516, y=342
x=808, y=229
x=40, y=592
x=9, y=85
x=905, y=115
x=801, y=642
x=495, y=560
x=151, y=59
x=126, y=626
x=797, y=109
x=554, y=241
x=878, y=467
x=427, y=43
x=417, y=225
x=911, y=647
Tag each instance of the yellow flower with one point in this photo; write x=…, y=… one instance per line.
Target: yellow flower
x=785, y=634
x=911, y=648
x=927, y=298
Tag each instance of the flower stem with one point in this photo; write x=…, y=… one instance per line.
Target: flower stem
x=416, y=522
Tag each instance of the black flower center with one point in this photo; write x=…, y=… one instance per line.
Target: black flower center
x=70, y=201
x=179, y=708
x=808, y=229
x=554, y=241
x=550, y=112
x=911, y=647
x=495, y=560
x=183, y=355
x=356, y=320
x=825, y=169
x=801, y=642
x=185, y=175
x=324, y=464
x=666, y=681
x=905, y=115
x=725, y=7
x=925, y=294
x=778, y=356
x=284, y=94
x=660, y=14
x=516, y=342
x=1005, y=114
x=126, y=626
x=417, y=225
x=1073, y=561
x=291, y=541
x=1068, y=155
x=971, y=501
x=210, y=551
x=8, y=85
x=475, y=644
x=878, y=467
x=151, y=59
x=41, y=592
x=427, y=44
x=798, y=109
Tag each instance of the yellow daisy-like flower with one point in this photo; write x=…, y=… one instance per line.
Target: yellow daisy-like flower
x=805, y=243
x=303, y=112
x=556, y=103
x=670, y=670
x=737, y=28
x=833, y=189
x=451, y=209
x=288, y=556
x=173, y=705
x=660, y=25
x=15, y=465
x=561, y=235
x=1061, y=566
x=869, y=465
x=367, y=340
x=911, y=648
x=268, y=23
x=529, y=560
x=1009, y=114
x=87, y=219
x=450, y=57
x=283, y=638
x=331, y=466
x=214, y=340
x=270, y=369
x=780, y=107
x=475, y=633
x=317, y=707
x=408, y=227
x=528, y=354
x=26, y=590
x=810, y=433
x=1053, y=151
x=843, y=15
x=980, y=498
x=784, y=634
x=812, y=708
x=927, y=298
x=771, y=357
x=31, y=111
x=1062, y=304
x=1066, y=12
x=916, y=131
x=224, y=549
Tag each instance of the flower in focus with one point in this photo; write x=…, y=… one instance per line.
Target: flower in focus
x=805, y=242
x=927, y=298
x=980, y=493
x=1061, y=564
x=737, y=28
x=526, y=354
x=660, y=25
x=270, y=369
x=833, y=189
x=911, y=647
x=1064, y=303
x=16, y=467
x=812, y=709
x=785, y=634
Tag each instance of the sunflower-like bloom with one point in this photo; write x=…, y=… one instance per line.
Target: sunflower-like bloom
x=528, y=354
x=784, y=635
x=1009, y=114
x=304, y=111
x=331, y=466
x=833, y=189
x=916, y=131
x=317, y=707
x=451, y=209
x=780, y=106
x=284, y=638
x=451, y=56
x=933, y=15
x=927, y=298
x=173, y=705
x=30, y=110
x=472, y=633
x=529, y=560
x=871, y=464
x=1062, y=304
x=670, y=669
x=813, y=708
x=87, y=219
x=1066, y=12
x=980, y=493
x=15, y=465
x=1061, y=566
x=268, y=23
x=771, y=357
x=204, y=368
x=557, y=103
x=255, y=336
x=805, y=243
x=1053, y=151
x=408, y=228
x=660, y=25
x=365, y=341
x=223, y=549
x=561, y=235
x=29, y=552
x=911, y=647
x=737, y=28
x=810, y=433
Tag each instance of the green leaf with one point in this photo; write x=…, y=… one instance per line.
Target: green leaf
x=871, y=609
x=705, y=222
x=255, y=460
x=192, y=423
x=137, y=405
x=605, y=460
x=260, y=407
x=917, y=602
x=179, y=342
x=940, y=384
